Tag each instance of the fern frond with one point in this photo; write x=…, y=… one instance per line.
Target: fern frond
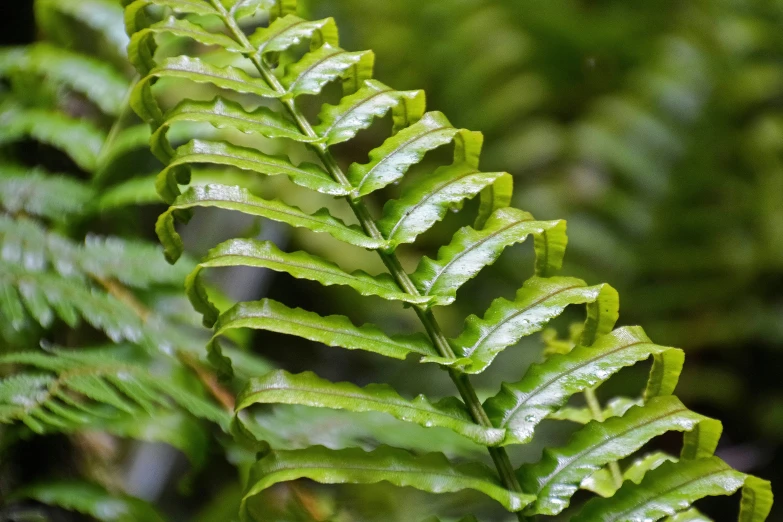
x=78, y=138
x=674, y=487
x=431, y=472
x=310, y=390
x=559, y=473
x=284, y=73
x=36, y=193
x=88, y=499
x=99, y=82
x=521, y=406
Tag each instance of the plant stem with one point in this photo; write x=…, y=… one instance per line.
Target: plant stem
x=462, y=382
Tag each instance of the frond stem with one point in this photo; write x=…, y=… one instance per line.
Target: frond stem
x=461, y=380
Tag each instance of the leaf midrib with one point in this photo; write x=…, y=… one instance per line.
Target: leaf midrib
x=579, y=366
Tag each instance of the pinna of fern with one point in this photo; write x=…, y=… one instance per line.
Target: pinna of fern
x=268, y=67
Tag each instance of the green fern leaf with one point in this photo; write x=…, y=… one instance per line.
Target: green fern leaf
x=195, y=70
x=78, y=138
x=674, y=486
x=334, y=330
x=135, y=16
x=520, y=406
x=557, y=476
x=307, y=175
x=36, y=193
x=235, y=198
x=288, y=30
x=222, y=113
x=471, y=250
x=431, y=472
x=390, y=161
x=537, y=302
x=340, y=123
x=265, y=254
x=310, y=74
x=89, y=499
x=310, y=390
x=426, y=201
x=99, y=82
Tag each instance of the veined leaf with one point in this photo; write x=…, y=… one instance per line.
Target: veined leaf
x=99, y=82
x=310, y=74
x=471, y=250
x=557, y=476
x=288, y=31
x=341, y=122
x=389, y=162
x=99, y=375
x=141, y=46
x=265, y=254
x=520, y=406
x=334, y=330
x=426, y=201
x=135, y=17
x=614, y=408
x=310, y=390
x=239, y=199
x=692, y=515
x=674, y=487
x=537, y=302
x=34, y=192
x=306, y=175
x=89, y=499
x=79, y=139
x=102, y=16
x=222, y=113
x=431, y=472
x=495, y=196
x=195, y=70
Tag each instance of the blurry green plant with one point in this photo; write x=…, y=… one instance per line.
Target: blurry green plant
x=278, y=69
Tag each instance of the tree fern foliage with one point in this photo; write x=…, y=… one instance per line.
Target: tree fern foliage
x=268, y=78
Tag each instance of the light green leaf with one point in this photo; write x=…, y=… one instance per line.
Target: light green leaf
x=99, y=82
x=78, y=138
x=520, y=406
x=674, y=487
x=327, y=63
x=389, y=162
x=37, y=193
x=496, y=196
x=265, y=254
x=290, y=30
x=221, y=153
x=135, y=17
x=221, y=114
x=471, y=250
x=341, y=122
x=537, y=302
x=557, y=476
x=333, y=330
x=142, y=43
x=102, y=16
x=426, y=201
x=310, y=390
x=89, y=499
x=614, y=408
x=193, y=69
x=431, y=472
x=239, y=199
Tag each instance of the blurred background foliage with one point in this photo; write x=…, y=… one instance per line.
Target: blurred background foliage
x=655, y=129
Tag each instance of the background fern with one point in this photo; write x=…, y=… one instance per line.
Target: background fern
x=288, y=72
